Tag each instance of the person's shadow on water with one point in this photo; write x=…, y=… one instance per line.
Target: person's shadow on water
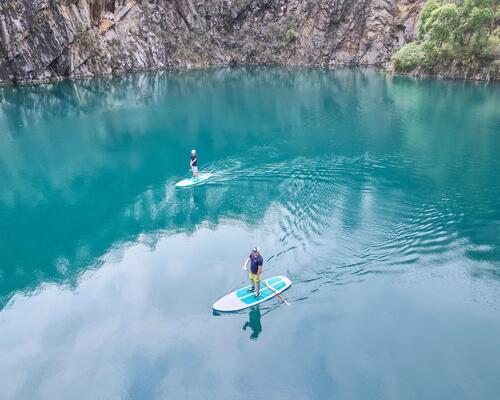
x=254, y=322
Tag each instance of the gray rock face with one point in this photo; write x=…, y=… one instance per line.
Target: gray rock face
x=50, y=39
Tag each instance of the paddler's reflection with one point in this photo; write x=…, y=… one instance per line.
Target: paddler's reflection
x=198, y=199
x=254, y=322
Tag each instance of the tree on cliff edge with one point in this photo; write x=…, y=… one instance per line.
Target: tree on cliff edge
x=456, y=39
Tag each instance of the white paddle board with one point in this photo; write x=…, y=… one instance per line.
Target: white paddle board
x=243, y=298
x=194, y=181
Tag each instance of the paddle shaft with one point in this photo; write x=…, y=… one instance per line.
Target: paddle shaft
x=272, y=290
x=276, y=294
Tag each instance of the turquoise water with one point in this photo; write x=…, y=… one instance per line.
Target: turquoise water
x=378, y=196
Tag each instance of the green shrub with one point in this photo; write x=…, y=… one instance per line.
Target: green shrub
x=291, y=36
x=408, y=58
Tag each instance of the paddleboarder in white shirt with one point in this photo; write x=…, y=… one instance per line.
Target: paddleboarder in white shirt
x=193, y=164
x=256, y=261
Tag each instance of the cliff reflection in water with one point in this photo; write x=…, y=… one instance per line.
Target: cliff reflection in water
x=89, y=165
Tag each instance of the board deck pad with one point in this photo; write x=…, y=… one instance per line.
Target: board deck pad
x=194, y=181
x=243, y=298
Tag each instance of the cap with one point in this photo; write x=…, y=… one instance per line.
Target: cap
x=256, y=249
x=193, y=151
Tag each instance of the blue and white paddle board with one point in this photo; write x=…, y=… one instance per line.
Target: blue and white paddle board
x=194, y=181
x=243, y=298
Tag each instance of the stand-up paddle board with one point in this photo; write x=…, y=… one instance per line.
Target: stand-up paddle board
x=243, y=298
x=194, y=181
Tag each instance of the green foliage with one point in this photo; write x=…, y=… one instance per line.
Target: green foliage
x=442, y=22
x=88, y=41
x=453, y=32
x=408, y=58
x=429, y=7
x=291, y=36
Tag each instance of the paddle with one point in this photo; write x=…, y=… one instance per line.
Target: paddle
x=271, y=289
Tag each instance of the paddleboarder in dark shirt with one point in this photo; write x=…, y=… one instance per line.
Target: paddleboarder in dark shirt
x=256, y=261
x=193, y=164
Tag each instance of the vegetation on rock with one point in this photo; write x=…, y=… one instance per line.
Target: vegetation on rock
x=291, y=36
x=458, y=39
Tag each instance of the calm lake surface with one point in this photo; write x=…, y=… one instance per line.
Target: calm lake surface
x=378, y=196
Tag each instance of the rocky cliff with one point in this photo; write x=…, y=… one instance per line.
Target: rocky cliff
x=50, y=39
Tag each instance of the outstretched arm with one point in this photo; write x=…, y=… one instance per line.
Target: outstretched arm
x=245, y=264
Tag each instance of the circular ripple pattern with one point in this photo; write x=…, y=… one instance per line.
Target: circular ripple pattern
x=338, y=219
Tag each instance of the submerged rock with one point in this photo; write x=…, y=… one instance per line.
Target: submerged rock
x=51, y=39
